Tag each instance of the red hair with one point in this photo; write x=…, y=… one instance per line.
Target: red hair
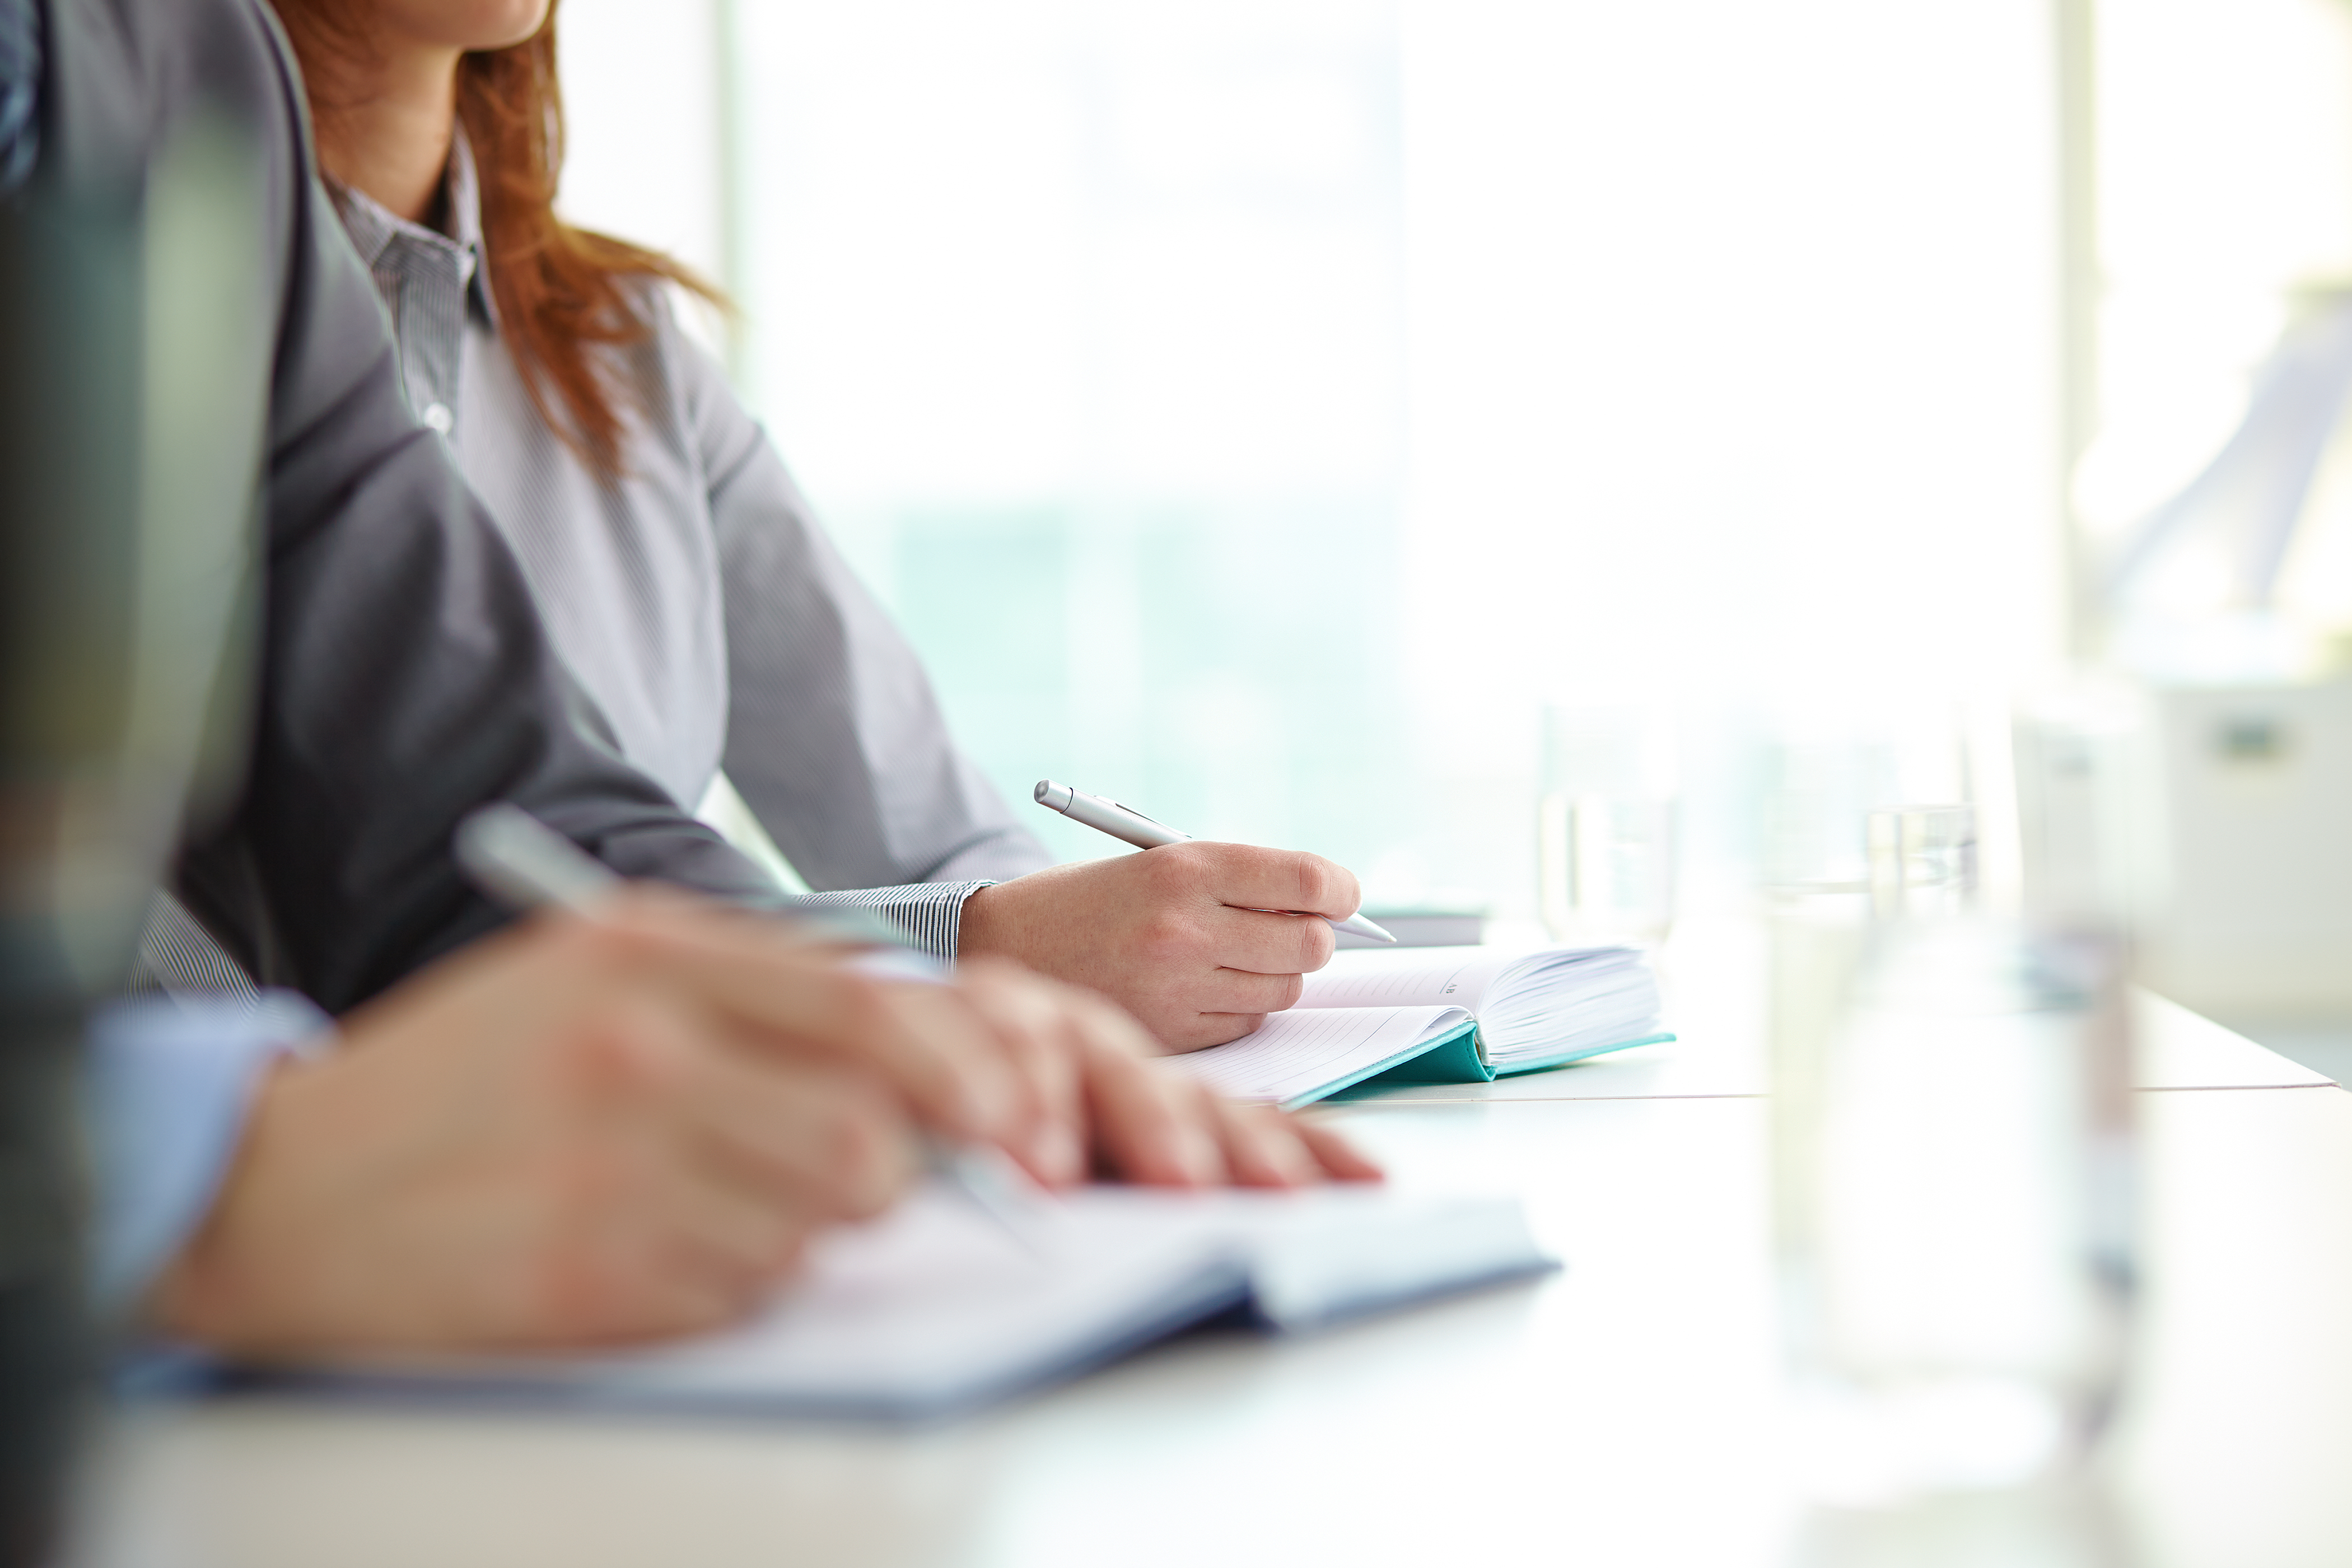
x=561, y=290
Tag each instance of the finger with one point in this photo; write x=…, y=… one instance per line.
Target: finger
x=1266, y=942
x=1040, y=1030
x=1342, y=1159
x=1239, y=991
x=937, y=1021
x=1151, y=1125
x=1106, y=1022
x=821, y=1141
x=1104, y=1025
x=1205, y=1029
x=734, y=1236
x=1253, y=878
x=919, y=1038
x=1262, y=1149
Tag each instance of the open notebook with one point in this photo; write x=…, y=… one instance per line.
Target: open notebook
x=933, y=1309
x=1440, y=1014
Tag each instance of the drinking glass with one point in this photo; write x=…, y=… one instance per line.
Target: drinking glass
x=1953, y=1170
x=1952, y=1198
x=1922, y=859
x=1606, y=826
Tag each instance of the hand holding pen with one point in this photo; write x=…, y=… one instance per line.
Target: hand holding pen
x=528, y=865
x=1199, y=941
x=1057, y=1078
x=1129, y=826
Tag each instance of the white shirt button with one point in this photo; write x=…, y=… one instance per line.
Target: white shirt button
x=438, y=417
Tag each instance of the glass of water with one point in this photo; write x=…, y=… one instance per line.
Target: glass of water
x=1953, y=1199
x=1952, y=1144
x=1606, y=826
x=1922, y=860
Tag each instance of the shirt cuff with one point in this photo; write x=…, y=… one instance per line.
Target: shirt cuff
x=930, y=914
x=169, y=1083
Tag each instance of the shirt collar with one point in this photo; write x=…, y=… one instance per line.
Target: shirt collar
x=375, y=228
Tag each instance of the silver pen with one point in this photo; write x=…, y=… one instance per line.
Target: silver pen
x=525, y=863
x=1129, y=826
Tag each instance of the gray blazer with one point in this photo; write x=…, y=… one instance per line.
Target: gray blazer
x=402, y=676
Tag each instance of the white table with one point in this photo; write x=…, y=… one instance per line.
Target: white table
x=1620, y=1413
x=1714, y=980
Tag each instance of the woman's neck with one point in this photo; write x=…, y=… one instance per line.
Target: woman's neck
x=389, y=132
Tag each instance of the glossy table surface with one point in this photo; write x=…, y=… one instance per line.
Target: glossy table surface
x=1621, y=1412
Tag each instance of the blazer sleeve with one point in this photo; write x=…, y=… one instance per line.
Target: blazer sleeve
x=834, y=736
x=404, y=678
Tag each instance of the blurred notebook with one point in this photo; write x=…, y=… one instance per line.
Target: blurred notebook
x=1419, y=928
x=1452, y=1015
x=933, y=1309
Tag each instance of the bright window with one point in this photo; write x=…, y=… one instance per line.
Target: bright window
x=1258, y=412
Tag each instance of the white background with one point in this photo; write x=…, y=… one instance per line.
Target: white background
x=1341, y=381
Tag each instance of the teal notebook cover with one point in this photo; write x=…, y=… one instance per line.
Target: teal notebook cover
x=1456, y=1057
x=1545, y=1064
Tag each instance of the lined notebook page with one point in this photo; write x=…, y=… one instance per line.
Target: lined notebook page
x=1297, y=1052
x=1430, y=976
